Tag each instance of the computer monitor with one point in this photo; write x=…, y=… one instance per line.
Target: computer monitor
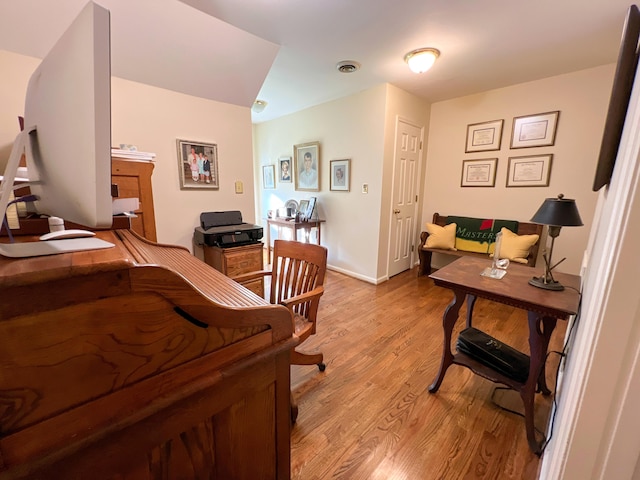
x=67, y=130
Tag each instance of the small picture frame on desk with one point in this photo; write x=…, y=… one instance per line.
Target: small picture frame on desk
x=302, y=209
x=308, y=214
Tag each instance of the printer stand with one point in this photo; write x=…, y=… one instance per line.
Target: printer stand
x=233, y=261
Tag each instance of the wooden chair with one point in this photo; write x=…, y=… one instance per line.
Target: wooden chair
x=297, y=277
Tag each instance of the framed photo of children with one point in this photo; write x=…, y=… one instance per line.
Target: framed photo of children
x=306, y=160
x=198, y=165
x=268, y=176
x=340, y=175
x=285, y=170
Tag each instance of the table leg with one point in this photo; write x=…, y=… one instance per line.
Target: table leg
x=318, y=228
x=471, y=301
x=268, y=242
x=448, y=322
x=540, y=330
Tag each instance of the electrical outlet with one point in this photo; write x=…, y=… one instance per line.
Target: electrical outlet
x=365, y=188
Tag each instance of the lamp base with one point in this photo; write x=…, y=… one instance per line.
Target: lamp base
x=547, y=285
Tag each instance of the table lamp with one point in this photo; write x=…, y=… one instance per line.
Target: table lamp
x=556, y=213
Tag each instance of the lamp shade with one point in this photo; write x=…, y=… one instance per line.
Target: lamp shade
x=560, y=212
x=421, y=60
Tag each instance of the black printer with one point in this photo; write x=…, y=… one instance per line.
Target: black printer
x=225, y=229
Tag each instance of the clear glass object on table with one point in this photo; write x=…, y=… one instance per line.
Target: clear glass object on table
x=498, y=268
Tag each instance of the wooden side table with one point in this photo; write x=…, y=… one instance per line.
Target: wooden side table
x=544, y=308
x=233, y=261
x=294, y=226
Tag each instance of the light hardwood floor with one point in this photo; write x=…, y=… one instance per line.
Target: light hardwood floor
x=370, y=416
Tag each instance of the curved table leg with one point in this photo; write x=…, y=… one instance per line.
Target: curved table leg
x=540, y=330
x=471, y=301
x=448, y=321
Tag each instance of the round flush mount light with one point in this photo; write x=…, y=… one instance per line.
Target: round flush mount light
x=258, y=106
x=348, y=66
x=422, y=59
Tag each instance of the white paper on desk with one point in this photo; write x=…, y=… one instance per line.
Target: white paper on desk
x=125, y=205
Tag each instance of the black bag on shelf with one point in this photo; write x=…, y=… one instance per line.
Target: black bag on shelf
x=494, y=354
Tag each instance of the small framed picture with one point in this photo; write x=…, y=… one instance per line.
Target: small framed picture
x=340, y=175
x=306, y=159
x=529, y=171
x=197, y=165
x=302, y=209
x=479, y=173
x=535, y=130
x=268, y=176
x=284, y=169
x=484, y=137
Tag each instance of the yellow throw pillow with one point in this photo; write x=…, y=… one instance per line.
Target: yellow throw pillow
x=516, y=247
x=441, y=237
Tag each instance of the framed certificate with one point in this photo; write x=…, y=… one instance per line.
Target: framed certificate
x=529, y=171
x=479, y=173
x=483, y=137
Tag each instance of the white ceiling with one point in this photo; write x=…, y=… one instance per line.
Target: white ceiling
x=285, y=51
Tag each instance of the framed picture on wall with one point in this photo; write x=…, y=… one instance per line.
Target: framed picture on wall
x=534, y=130
x=197, y=165
x=268, y=176
x=306, y=161
x=479, y=173
x=340, y=175
x=484, y=137
x=284, y=169
x=529, y=171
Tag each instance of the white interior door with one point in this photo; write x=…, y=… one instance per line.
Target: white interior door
x=404, y=195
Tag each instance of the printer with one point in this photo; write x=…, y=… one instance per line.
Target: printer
x=226, y=229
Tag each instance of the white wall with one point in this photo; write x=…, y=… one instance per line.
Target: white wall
x=581, y=97
x=152, y=119
x=347, y=128
x=362, y=128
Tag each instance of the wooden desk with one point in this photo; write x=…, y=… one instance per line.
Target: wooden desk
x=544, y=307
x=140, y=361
x=294, y=226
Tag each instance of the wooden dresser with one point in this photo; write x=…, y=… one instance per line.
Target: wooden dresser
x=140, y=362
x=233, y=261
x=133, y=179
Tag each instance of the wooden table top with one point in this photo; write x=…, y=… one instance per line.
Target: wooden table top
x=513, y=289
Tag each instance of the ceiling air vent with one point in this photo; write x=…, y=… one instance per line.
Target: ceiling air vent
x=348, y=66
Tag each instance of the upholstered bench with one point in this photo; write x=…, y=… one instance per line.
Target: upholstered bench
x=469, y=236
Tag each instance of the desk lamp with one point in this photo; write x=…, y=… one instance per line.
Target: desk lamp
x=556, y=213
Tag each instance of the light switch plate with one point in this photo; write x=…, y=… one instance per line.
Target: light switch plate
x=365, y=188
x=239, y=187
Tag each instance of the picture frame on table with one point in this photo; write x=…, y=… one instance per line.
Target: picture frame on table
x=479, y=173
x=302, y=209
x=268, y=176
x=537, y=130
x=484, y=137
x=340, y=175
x=306, y=163
x=529, y=171
x=197, y=165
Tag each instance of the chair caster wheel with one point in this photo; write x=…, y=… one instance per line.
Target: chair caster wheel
x=322, y=367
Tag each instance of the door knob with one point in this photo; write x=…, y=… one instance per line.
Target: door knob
x=396, y=211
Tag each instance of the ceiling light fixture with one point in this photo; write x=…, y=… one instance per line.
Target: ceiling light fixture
x=258, y=106
x=348, y=66
x=421, y=60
